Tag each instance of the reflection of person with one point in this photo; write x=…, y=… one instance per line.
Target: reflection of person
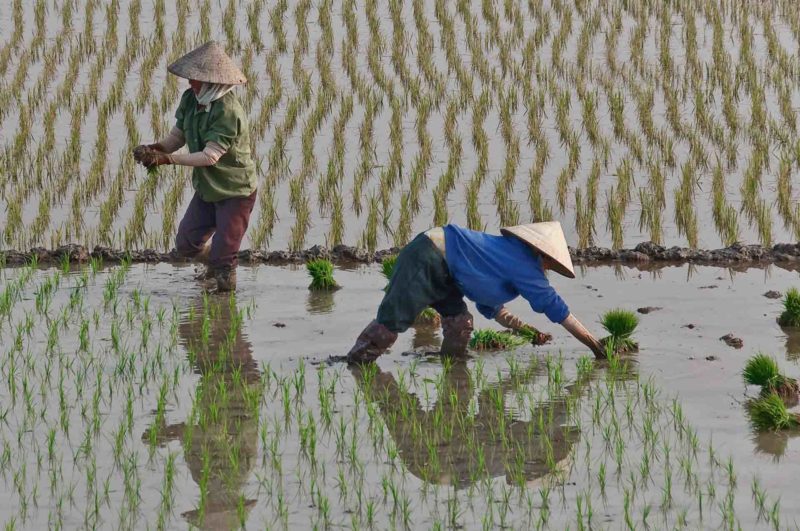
x=444, y=264
x=438, y=446
x=212, y=123
x=226, y=429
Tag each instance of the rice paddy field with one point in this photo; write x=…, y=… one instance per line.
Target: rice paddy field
x=131, y=399
x=674, y=122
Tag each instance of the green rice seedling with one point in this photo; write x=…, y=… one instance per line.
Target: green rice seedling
x=387, y=266
x=321, y=271
x=620, y=324
x=769, y=413
x=763, y=370
x=488, y=339
x=791, y=309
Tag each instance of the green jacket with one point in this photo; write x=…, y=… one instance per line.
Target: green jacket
x=225, y=123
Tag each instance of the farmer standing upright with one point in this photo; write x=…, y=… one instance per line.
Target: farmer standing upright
x=444, y=264
x=212, y=124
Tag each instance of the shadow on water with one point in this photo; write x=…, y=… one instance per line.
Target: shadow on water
x=426, y=337
x=220, y=436
x=320, y=302
x=471, y=434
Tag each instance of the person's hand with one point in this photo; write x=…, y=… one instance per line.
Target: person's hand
x=599, y=351
x=139, y=151
x=152, y=158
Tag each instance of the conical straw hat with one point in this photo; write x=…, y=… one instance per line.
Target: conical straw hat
x=208, y=63
x=546, y=238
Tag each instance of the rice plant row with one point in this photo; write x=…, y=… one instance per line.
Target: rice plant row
x=627, y=121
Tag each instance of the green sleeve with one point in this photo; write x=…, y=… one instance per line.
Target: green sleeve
x=223, y=128
x=181, y=110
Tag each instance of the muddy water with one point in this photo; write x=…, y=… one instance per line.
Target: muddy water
x=375, y=440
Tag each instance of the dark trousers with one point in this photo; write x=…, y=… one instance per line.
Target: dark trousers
x=421, y=278
x=226, y=220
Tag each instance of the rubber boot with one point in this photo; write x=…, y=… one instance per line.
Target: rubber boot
x=226, y=279
x=457, y=331
x=371, y=343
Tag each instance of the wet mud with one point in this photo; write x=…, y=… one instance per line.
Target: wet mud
x=645, y=256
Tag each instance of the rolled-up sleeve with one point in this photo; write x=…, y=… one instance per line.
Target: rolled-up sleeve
x=542, y=297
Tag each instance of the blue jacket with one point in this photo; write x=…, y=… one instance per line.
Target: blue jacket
x=492, y=270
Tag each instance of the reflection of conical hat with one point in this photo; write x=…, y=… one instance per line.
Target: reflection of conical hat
x=208, y=63
x=548, y=239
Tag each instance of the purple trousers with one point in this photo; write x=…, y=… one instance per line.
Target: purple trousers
x=226, y=220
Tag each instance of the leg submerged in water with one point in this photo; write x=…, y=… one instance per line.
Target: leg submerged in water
x=457, y=331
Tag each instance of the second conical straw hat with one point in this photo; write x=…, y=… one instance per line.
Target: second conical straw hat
x=208, y=63
x=548, y=239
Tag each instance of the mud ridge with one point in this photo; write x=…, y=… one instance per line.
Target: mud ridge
x=645, y=256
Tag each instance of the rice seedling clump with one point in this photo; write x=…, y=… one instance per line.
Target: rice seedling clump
x=763, y=370
x=488, y=339
x=620, y=324
x=769, y=413
x=791, y=309
x=321, y=272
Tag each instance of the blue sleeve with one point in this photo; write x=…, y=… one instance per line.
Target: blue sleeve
x=488, y=311
x=535, y=288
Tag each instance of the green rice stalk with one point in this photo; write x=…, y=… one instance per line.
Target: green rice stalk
x=769, y=413
x=488, y=339
x=321, y=272
x=791, y=309
x=620, y=324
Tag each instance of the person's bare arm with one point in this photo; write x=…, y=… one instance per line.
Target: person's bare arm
x=509, y=320
x=574, y=327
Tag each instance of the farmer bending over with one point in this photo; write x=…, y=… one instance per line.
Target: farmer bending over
x=444, y=264
x=213, y=124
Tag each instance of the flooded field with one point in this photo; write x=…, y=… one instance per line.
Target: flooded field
x=627, y=121
x=132, y=401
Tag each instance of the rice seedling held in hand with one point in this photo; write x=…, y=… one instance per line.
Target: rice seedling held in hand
x=763, y=370
x=488, y=339
x=620, y=324
x=321, y=271
x=791, y=309
x=769, y=413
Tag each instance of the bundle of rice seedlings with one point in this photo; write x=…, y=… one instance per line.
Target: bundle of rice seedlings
x=791, y=308
x=488, y=339
x=321, y=272
x=387, y=266
x=531, y=336
x=769, y=413
x=620, y=324
x=428, y=317
x=762, y=370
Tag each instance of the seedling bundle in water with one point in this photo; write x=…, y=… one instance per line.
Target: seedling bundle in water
x=770, y=413
x=620, y=324
x=791, y=309
x=763, y=370
x=488, y=339
x=387, y=267
x=321, y=272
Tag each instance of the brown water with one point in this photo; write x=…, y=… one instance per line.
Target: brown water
x=256, y=430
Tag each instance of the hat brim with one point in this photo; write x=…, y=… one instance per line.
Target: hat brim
x=556, y=265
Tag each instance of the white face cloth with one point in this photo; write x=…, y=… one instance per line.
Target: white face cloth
x=212, y=92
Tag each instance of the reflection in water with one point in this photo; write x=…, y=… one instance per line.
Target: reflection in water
x=426, y=337
x=773, y=442
x=792, y=343
x=220, y=436
x=467, y=437
x=320, y=301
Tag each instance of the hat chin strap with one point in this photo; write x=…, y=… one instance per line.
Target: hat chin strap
x=211, y=92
